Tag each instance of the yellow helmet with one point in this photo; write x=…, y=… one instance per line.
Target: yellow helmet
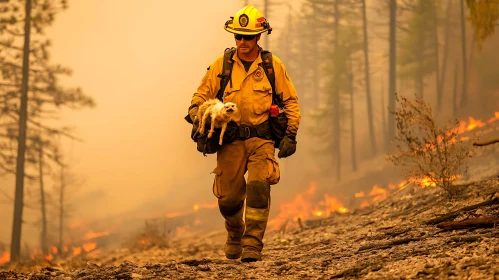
x=248, y=21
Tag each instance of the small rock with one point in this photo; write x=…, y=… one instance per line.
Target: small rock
x=136, y=276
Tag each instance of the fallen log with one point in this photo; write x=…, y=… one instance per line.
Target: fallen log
x=456, y=213
x=486, y=142
x=388, y=245
x=483, y=222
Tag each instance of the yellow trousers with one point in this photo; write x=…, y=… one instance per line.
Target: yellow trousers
x=255, y=156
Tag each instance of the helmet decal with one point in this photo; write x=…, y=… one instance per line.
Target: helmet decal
x=243, y=20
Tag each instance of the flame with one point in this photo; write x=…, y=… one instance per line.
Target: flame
x=48, y=257
x=302, y=207
x=473, y=123
x=378, y=193
x=87, y=247
x=5, y=257
x=359, y=194
x=76, y=251
x=92, y=235
x=54, y=249
x=364, y=204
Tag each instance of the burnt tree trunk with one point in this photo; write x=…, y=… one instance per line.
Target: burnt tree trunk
x=336, y=92
x=464, y=94
x=368, y=82
x=446, y=55
x=352, y=116
x=392, y=81
x=437, y=54
x=44, y=240
x=61, y=211
x=15, y=246
x=454, y=95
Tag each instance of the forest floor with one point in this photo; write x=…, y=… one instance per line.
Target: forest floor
x=409, y=235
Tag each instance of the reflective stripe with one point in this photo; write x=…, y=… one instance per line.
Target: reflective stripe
x=257, y=214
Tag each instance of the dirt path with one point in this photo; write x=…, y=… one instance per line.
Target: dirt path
x=389, y=240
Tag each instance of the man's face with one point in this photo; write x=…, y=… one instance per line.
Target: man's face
x=246, y=43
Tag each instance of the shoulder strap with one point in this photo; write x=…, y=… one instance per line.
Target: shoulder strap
x=225, y=76
x=268, y=67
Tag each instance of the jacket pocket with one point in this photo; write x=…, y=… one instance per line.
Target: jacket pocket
x=261, y=97
x=274, y=170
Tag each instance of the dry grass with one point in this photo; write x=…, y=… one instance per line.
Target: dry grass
x=426, y=150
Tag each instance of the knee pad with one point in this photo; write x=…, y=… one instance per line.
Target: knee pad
x=230, y=208
x=257, y=194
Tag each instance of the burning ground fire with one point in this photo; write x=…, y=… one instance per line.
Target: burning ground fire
x=302, y=206
x=68, y=251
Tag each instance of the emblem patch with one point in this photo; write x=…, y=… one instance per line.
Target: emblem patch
x=243, y=20
x=258, y=74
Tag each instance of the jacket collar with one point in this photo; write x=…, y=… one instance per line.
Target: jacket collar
x=257, y=62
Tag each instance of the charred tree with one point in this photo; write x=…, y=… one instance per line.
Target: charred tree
x=368, y=82
x=336, y=92
x=445, y=57
x=44, y=238
x=61, y=209
x=464, y=93
x=15, y=247
x=392, y=79
x=352, y=117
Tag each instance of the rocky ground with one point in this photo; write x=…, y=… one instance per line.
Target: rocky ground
x=406, y=236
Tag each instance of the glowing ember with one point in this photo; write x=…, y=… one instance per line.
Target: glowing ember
x=54, y=249
x=360, y=194
x=364, y=204
x=76, y=251
x=89, y=246
x=92, y=235
x=378, y=193
x=5, y=257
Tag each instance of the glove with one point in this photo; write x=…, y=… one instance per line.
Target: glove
x=193, y=112
x=194, y=132
x=287, y=147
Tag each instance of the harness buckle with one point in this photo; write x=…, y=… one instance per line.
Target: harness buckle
x=247, y=132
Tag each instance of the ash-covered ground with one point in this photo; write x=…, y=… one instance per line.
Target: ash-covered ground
x=406, y=236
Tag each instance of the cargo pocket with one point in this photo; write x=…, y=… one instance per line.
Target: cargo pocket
x=217, y=182
x=261, y=97
x=274, y=171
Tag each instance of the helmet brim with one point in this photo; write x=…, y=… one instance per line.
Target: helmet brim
x=244, y=31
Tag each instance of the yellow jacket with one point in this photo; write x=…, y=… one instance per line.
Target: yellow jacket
x=251, y=91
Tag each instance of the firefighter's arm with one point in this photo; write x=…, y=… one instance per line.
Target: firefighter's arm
x=208, y=87
x=287, y=91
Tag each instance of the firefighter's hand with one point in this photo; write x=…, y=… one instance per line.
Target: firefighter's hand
x=287, y=147
x=194, y=132
x=192, y=114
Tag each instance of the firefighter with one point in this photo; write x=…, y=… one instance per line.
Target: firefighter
x=252, y=151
